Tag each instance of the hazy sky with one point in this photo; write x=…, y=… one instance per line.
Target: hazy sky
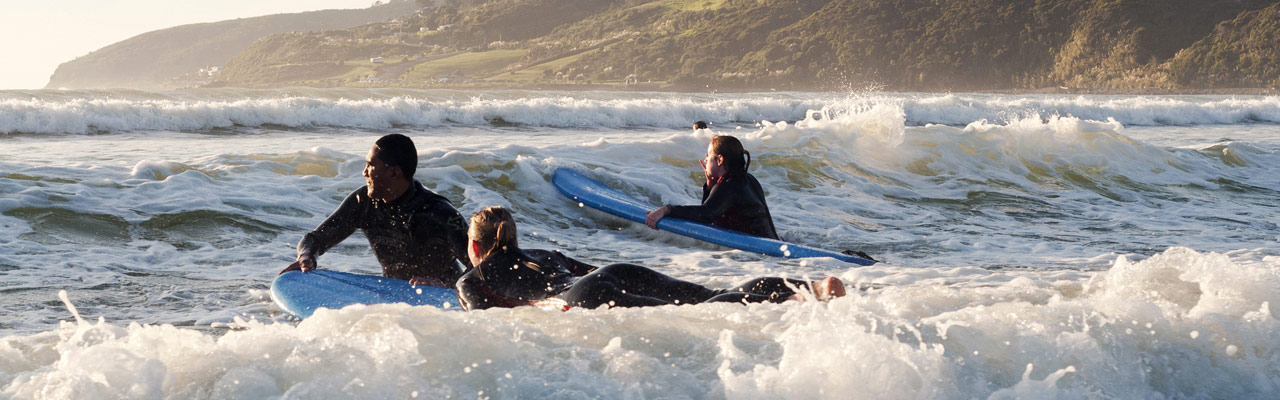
x=37, y=35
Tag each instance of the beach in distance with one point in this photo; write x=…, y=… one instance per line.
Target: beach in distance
x=1051, y=243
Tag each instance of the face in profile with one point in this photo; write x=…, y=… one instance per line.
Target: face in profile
x=378, y=176
x=712, y=164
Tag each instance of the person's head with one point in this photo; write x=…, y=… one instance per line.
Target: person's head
x=389, y=167
x=725, y=157
x=699, y=125
x=492, y=229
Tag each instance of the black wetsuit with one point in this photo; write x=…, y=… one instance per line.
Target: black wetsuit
x=519, y=277
x=522, y=277
x=419, y=234
x=735, y=203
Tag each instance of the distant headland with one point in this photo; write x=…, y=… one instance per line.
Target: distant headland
x=1052, y=46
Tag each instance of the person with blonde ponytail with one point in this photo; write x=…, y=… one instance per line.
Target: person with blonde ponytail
x=507, y=276
x=731, y=197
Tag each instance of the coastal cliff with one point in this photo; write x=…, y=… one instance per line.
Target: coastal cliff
x=957, y=45
x=174, y=57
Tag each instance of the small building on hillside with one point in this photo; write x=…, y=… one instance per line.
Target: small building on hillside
x=377, y=60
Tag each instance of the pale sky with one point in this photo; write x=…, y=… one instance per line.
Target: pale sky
x=37, y=35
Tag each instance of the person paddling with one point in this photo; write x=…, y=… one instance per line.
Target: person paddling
x=731, y=197
x=507, y=276
x=415, y=233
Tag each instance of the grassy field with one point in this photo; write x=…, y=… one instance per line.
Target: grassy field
x=694, y=5
x=359, y=69
x=534, y=73
x=474, y=64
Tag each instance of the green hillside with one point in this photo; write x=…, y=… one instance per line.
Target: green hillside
x=788, y=44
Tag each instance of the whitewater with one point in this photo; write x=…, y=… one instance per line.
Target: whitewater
x=1031, y=246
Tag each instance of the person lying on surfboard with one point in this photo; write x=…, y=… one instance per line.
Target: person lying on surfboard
x=731, y=197
x=416, y=234
x=507, y=276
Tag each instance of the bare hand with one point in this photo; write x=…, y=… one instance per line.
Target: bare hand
x=651, y=218
x=426, y=281
x=305, y=263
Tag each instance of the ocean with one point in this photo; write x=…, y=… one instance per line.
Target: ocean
x=1031, y=246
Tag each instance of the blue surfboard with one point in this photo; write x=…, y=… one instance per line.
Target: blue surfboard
x=300, y=294
x=594, y=194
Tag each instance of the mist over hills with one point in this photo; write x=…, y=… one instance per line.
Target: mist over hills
x=769, y=44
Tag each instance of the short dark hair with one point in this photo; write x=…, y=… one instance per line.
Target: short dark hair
x=700, y=125
x=397, y=150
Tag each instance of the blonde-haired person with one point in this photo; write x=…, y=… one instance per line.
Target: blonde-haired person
x=507, y=276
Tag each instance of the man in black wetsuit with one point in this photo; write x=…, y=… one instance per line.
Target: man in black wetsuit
x=416, y=234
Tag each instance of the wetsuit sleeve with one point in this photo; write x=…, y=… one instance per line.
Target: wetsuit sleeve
x=714, y=204
x=577, y=268
x=442, y=238
x=337, y=227
x=474, y=294
x=469, y=292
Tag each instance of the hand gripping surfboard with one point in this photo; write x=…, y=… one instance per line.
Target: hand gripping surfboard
x=592, y=193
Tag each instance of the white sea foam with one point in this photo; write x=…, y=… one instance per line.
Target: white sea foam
x=1180, y=324
x=1129, y=110
x=1038, y=254
x=177, y=111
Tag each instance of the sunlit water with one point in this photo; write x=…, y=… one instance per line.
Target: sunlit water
x=1032, y=246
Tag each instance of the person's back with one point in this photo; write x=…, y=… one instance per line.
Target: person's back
x=735, y=203
x=515, y=277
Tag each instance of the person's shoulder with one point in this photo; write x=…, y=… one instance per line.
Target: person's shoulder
x=426, y=201
x=427, y=198
x=360, y=193
x=545, y=258
x=541, y=254
x=359, y=196
x=470, y=275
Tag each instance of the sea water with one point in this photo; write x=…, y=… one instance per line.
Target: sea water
x=1031, y=246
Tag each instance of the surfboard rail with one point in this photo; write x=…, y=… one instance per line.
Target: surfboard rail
x=300, y=294
x=597, y=195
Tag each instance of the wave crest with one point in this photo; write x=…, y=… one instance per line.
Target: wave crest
x=46, y=112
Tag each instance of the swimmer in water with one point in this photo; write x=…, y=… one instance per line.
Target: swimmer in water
x=507, y=276
x=731, y=197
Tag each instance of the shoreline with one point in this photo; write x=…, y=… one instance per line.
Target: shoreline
x=668, y=88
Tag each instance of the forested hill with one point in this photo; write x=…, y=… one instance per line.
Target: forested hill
x=173, y=57
x=786, y=45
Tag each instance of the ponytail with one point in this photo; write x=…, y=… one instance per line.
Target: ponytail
x=493, y=229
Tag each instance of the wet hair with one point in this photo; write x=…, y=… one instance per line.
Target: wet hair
x=736, y=159
x=398, y=151
x=700, y=125
x=493, y=228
